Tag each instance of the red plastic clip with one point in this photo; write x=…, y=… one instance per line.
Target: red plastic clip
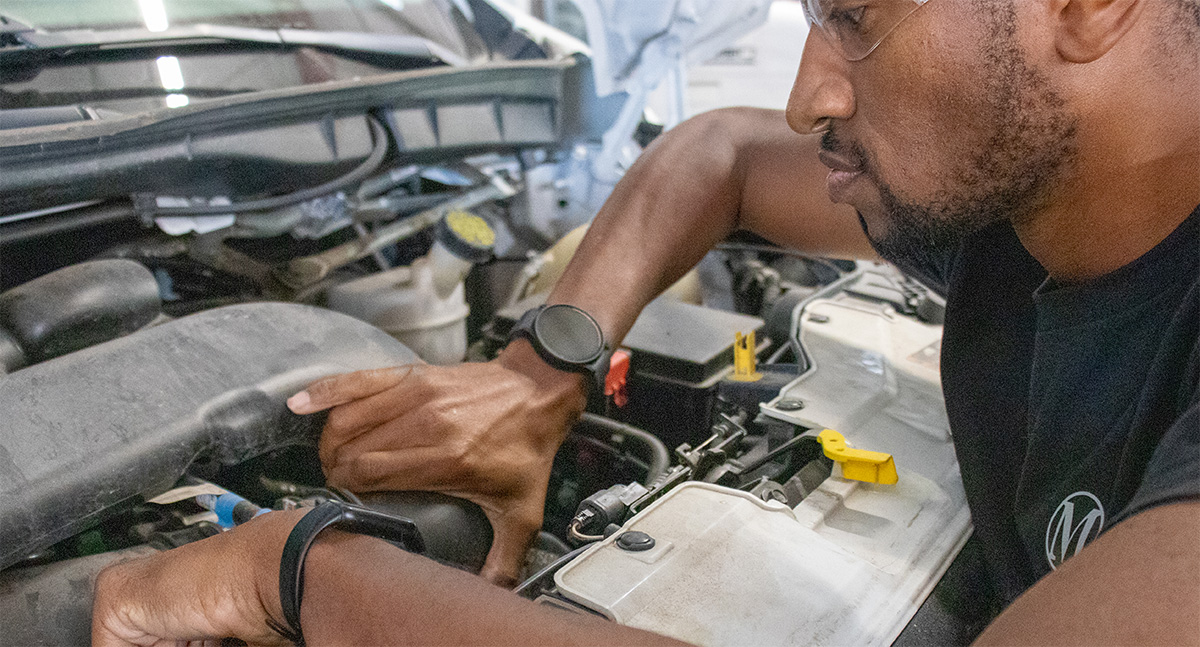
x=618, y=376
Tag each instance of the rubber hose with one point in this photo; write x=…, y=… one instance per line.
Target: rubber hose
x=551, y=569
x=660, y=458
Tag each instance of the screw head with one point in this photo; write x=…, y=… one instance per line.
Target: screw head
x=790, y=404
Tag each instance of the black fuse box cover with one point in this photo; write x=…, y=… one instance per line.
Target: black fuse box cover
x=685, y=342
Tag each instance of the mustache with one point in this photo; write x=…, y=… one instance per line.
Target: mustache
x=833, y=142
x=850, y=151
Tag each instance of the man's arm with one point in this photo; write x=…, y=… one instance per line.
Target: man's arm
x=367, y=592
x=488, y=432
x=1138, y=584
x=358, y=591
x=738, y=168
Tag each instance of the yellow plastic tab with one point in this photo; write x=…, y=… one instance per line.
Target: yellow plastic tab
x=471, y=228
x=745, y=363
x=858, y=464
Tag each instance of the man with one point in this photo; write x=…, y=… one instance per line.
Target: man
x=1037, y=159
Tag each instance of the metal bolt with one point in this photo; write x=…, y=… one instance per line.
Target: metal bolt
x=790, y=404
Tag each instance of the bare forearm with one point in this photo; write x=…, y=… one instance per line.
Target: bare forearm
x=727, y=170
x=1136, y=585
x=361, y=591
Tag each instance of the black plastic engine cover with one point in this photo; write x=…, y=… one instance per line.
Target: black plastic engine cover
x=88, y=431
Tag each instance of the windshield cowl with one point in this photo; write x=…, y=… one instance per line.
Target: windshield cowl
x=130, y=56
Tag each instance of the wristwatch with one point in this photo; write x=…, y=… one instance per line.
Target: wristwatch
x=567, y=338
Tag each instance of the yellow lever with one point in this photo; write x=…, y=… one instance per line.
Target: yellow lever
x=858, y=464
x=745, y=363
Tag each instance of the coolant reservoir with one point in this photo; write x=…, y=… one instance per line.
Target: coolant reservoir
x=543, y=272
x=424, y=305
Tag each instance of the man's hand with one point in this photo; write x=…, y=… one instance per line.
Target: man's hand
x=483, y=432
x=223, y=587
x=358, y=590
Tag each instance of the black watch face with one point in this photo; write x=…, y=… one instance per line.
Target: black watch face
x=570, y=334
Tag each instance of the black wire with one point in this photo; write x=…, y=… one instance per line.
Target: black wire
x=347, y=495
x=768, y=249
x=560, y=546
x=359, y=174
x=550, y=569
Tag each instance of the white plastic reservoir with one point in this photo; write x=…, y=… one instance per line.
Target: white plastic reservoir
x=405, y=303
x=852, y=562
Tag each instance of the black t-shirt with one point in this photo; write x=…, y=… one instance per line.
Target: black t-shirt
x=1073, y=407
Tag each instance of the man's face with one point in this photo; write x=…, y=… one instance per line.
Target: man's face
x=945, y=128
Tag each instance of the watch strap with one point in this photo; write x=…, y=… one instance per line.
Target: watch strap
x=342, y=516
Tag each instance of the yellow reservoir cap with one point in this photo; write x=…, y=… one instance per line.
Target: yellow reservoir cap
x=859, y=464
x=471, y=228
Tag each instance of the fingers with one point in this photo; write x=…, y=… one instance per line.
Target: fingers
x=378, y=413
x=416, y=468
x=514, y=523
x=513, y=530
x=110, y=628
x=481, y=432
x=340, y=389
x=207, y=590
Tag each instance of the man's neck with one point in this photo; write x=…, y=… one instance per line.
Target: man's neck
x=1126, y=194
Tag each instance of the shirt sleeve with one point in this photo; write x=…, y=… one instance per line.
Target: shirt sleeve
x=1173, y=474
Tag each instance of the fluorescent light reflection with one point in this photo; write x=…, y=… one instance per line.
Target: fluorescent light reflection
x=170, y=73
x=177, y=100
x=155, y=14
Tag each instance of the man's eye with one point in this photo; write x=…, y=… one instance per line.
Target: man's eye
x=848, y=19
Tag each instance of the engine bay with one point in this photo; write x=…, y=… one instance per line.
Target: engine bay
x=110, y=450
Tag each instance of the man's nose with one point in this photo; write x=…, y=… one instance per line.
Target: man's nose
x=822, y=92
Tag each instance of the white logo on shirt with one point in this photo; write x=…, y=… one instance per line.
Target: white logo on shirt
x=1077, y=521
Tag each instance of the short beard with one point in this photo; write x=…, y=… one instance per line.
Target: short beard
x=1032, y=146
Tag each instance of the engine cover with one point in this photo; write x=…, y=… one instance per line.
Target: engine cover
x=94, y=429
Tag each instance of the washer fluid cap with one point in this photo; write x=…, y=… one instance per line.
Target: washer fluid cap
x=467, y=236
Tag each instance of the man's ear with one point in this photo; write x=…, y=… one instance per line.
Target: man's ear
x=1087, y=29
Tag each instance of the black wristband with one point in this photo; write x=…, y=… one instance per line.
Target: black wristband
x=343, y=516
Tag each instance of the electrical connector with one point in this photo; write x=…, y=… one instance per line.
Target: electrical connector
x=606, y=507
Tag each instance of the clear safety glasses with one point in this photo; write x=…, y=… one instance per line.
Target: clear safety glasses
x=857, y=27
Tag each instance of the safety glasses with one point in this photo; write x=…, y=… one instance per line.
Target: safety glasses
x=857, y=27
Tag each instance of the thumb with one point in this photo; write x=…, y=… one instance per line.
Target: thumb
x=512, y=533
